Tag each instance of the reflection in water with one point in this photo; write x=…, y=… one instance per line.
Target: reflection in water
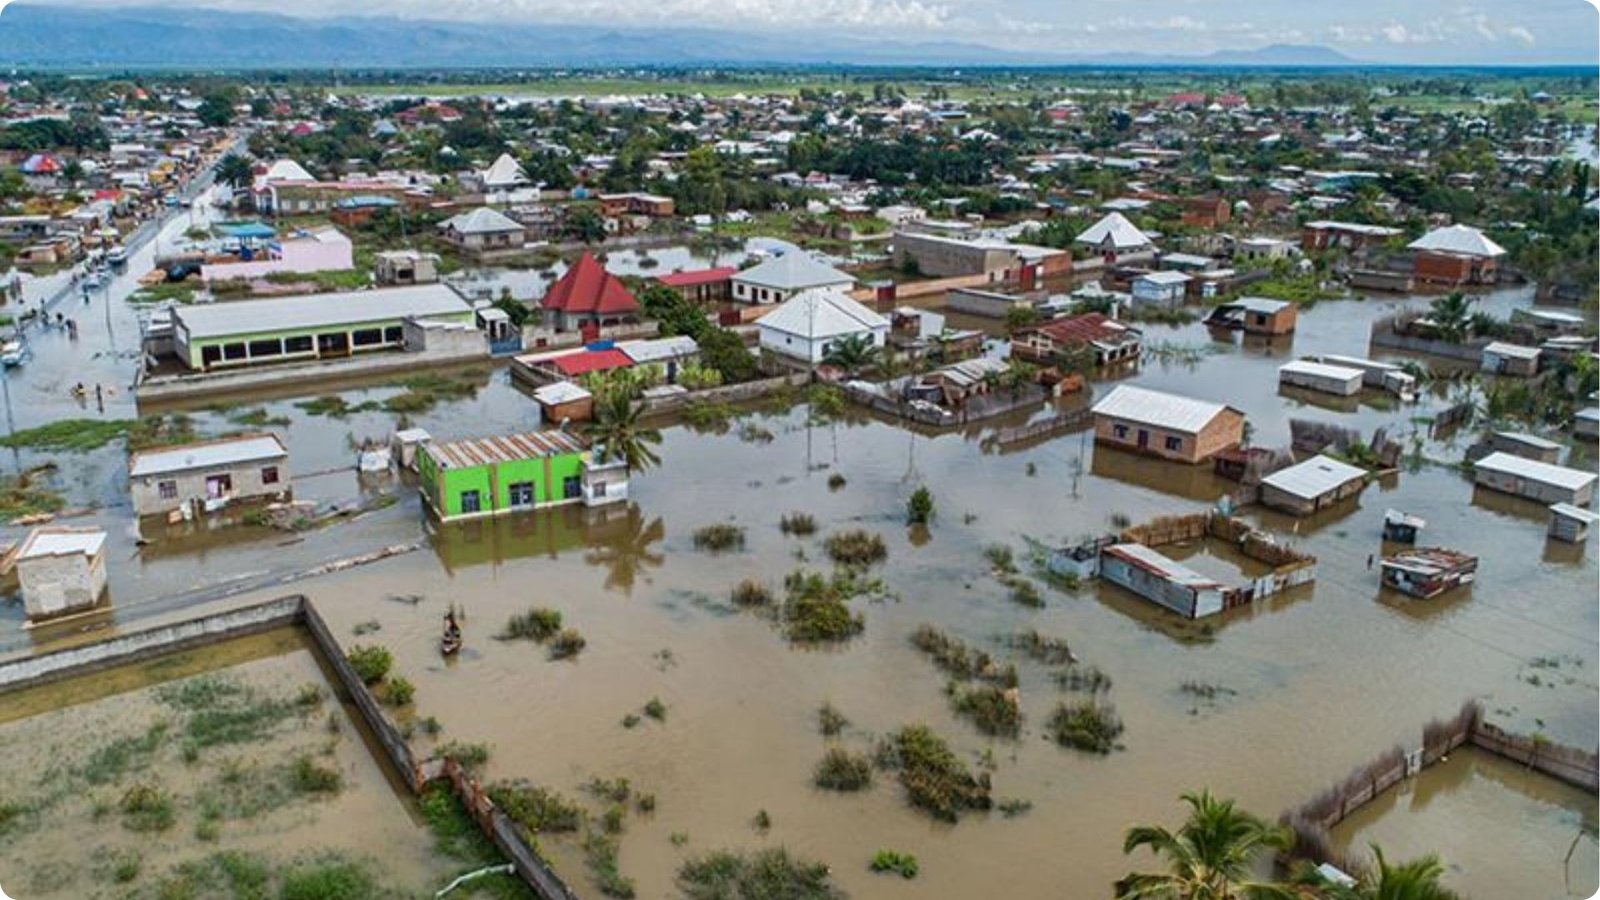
x=1194, y=482
x=615, y=538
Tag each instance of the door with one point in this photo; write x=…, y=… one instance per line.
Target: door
x=521, y=493
x=571, y=487
x=471, y=502
x=219, y=485
x=1144, y=439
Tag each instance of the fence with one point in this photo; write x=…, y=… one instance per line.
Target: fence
x=1312, y=821
x=298, y=610
x=1392, y=332
x=728, y=393
x=1290, y=567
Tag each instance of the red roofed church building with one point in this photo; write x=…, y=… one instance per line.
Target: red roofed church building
x=588, y=294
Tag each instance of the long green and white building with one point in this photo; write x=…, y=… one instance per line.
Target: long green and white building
x=489, y=476
x=234, y=334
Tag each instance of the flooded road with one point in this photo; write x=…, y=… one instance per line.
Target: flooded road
x=1316, y=680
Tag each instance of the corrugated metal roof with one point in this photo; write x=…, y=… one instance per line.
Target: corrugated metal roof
x=1460, y=239
x=1122, y=233
x=822, y=313
x=1514, y=351
x=1314, y=477
x=657, y=349
x=793, y=270
x=1568, y=511
x=1527, y=440
x=1168, y=569
x=1320, y=370
x=1265, y=305
x=470, y=452
x=208, y=454
x=1170, y=411
x=245, y=317
x=1533, y=470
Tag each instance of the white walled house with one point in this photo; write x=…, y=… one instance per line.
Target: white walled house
x=61, y=570
x=806, y=326
x=781, y=277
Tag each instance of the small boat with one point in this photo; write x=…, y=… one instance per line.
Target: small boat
x=12, y=353
x=450, y=643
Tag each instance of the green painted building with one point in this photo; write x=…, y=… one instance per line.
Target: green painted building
x=207, y=337
x=492, y=475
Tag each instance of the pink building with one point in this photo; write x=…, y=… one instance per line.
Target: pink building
x=318, y=250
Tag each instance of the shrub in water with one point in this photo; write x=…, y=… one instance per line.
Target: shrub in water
x=841, y=770
x=856, y=547
x=371, y=663
x=534, y=625
x=903, y=864
x=567, y=644
x=1086, y=725
x=718, y=538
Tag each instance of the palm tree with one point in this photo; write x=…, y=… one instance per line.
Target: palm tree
x=1210, y=858
x=235, y=171
x=852, y=353
x=1452, y=315
x=618, y=434
x=1414, y=880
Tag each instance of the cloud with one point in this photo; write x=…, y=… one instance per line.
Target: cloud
x=1517, y=32
x=1395, y=33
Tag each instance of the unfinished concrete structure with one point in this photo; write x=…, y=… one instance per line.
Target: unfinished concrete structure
x=61, y=570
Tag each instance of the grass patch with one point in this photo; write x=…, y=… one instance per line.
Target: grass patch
x=539, y=624
x=934, y=778
x=470, y=756
x=902, y=864
x=108, y=763
x=400, y=691
x=952, y=655
x=719, y=538
x=1041, y=648
x=69, y=435
x=1087, y=679
x=600, y=855
x=335, y=406
x=815, y=610
x=841, y=770
x=536, y=810
x=993, y=709
x=258, y=418
x=769, y=874
x=370, y=662
x=856, y=547
x=655, y=709
x=567, y=644
x=798, y=524
x=327, y=878
x=312, y=778
x=146, y=808
x=1086, y=725
x=830, y=721
x=24, y=495
x=458, y=837
x=423, y=392
x=837, y=481
x=750, y=593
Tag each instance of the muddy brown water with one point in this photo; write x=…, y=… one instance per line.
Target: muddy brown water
x=66, y=846
x=1323, y=677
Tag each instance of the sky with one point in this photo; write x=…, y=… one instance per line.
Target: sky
x=1487, y=32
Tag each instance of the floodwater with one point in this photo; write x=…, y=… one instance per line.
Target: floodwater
x=51, y=737
x=1542, y=831
x=1321, y=678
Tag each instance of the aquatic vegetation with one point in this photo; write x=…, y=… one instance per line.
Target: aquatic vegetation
x=655, y=709
x=329, y=877
x=535, y=809
x=459, y=838
x=836, y=481
x=798, y=524
x=750, y=593
x=470, y=756
x=69, y=435
x=538, y=624
x=767, y=874
x=370, y=662
x=1026, y=593
x=952, y=655
x=614, y=819
x=400, y=691
x=107, y=763
x=335, y=406
x=856, y=547
x=934, y=778
x=1086, y=725
x=616, y=790
x=919, y=508
x=841, y=770
x=312, y=778
x=424, y=392
x=830, y=721
x=993, y=709
x=1040, y=648
x=258, y=418
x=1001, y=558
x=762, y=821
x=751, y=433
x=125, y=866
x=1011, y=807
x=600, y=854
x=1088, y=679
x=902, y=864
x=567, y=644
x=719, y=537
x=815, y=609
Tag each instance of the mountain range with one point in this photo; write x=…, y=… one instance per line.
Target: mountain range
x=37, y=35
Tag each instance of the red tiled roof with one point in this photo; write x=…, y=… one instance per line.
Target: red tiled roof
x=588, y=288
x=1081, y=329
x=698, y=277
x=575, y=364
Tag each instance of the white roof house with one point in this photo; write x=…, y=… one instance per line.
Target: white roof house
x=1114, y=232
x=504, y=173
x=1542, y=481
x=209, y=454
x=658, y=350
x=284, y=170
x=244, y=317
x=808, y=324
x=1460, y=240
x=482, y=220
x=1316, y=476
x=1158, y=408
x=776, y=279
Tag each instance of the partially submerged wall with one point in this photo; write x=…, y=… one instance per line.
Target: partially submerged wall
x=1290, y=567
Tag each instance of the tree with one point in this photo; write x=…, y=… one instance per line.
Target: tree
x=1452, y=316
x=919, y=507
x=1211, y=857
x=585, y=224
x=216, y=111
x=618, y=435
x=852, y=353
x=235, y=171
x=1414, y=880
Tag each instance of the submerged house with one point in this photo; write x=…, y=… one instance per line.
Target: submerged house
x=1255, y=315
x=208, y=474
x=1166, y=425
x=781, y=277
x=1311, y=486
x=1534, y=480
x=1114, y=236
x=61, y=570
x=810, y=323
x=588, y=295
x=1161, y=580
x=1325, y=378
x=1110, y=342
x=488, y=476
x=1428, y=571
x=1455, y=256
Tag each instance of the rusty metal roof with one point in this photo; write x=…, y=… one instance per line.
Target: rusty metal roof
x=470, y=452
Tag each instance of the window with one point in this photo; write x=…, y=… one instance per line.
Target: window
x=367, y=337
x=571, y=487
x=273, y=347
x=522, y=493
x=1120, y=431
x=168, y=490
x=1174, y=443
x=210, y=354
x=269, y=474
x=233, y=351
x=393, y=334
x=299, y=344
x=471, y=502
x=599, y=490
